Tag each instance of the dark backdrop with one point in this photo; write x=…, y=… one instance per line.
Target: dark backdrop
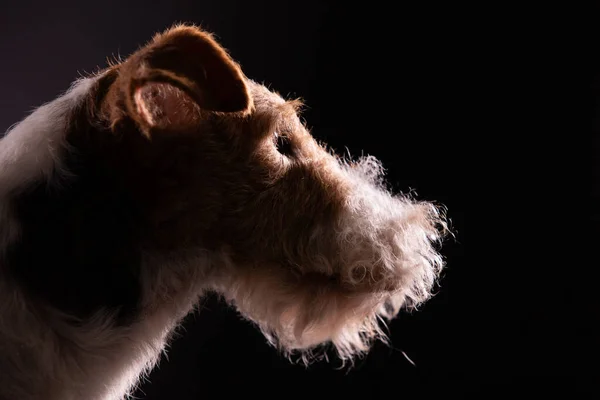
x=413, y=83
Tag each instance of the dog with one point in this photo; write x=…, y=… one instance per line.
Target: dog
x=171, y=174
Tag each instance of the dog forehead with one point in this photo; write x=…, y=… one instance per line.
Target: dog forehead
x=263, y=97
x=271, y=106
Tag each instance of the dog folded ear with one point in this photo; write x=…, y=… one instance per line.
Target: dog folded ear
x=178, y=71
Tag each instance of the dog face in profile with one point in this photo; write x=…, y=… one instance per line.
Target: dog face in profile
x=170, y=174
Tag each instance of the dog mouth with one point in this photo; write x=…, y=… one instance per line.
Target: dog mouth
x=343, y=297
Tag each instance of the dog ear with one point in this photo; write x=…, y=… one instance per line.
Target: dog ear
x=180, y=70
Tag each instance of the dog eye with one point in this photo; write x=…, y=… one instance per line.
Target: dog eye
x=283, y=144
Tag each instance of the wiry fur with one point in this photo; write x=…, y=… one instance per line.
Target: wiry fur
x=311, y=247
x=385, y=259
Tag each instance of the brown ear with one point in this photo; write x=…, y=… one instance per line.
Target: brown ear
x=179, y=65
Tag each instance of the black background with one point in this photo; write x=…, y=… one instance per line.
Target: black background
x=419, y=85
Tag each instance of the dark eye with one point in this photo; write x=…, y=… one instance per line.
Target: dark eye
x=283, y=145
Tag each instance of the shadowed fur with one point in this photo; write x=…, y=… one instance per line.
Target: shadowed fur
x=163, y=177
